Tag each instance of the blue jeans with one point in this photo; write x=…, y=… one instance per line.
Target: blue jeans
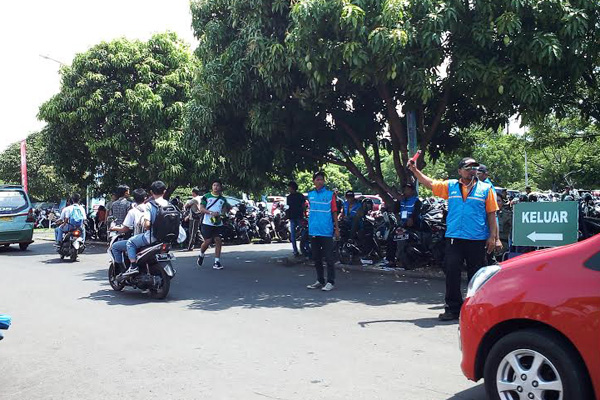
x=59, y=232
x=118, y=249
x=134, y=243
x=294, y=223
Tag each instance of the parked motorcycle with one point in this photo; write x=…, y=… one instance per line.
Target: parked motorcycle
x=266, y=229
x=281, y=224
x=424, y=246
x=155, y=266
x=72, y=244
x=304, y=238
x=5, y=321
x=363, y=246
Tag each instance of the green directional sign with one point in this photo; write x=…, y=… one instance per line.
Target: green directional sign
x=545, y=224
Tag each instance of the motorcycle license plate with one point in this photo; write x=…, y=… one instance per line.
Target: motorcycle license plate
x=400, y=237
x=165, y=257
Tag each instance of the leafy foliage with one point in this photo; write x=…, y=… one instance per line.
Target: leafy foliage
x=42, y=180
x=287, y=86
x=118, y=117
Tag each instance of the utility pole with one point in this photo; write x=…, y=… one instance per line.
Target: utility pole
x=526, y=174
x=411, y=125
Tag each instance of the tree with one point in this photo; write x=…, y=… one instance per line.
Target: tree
x=42, y=180
x=565, y=151
x=118, y=117
x=326, y=81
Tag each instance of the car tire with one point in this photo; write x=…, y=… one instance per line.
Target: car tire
x=23, y=246
x=559, y=365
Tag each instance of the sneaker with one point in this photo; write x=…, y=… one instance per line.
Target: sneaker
x=200, y=260
x=131, y=271
x=316, y=285
x=328, y=287
x=217, y=265
x=448, y=316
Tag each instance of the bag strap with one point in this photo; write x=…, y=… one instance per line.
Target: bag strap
x=215, y=202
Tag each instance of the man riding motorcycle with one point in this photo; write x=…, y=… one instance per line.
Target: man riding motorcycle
x=71, y=217
x=133, y=223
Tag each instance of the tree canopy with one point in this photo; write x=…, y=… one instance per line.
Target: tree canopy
x=118, y=117
x=42, y=180
x=287, y=86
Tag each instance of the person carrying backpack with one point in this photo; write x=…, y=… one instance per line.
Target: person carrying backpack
x=161, y=221
x=71, y=217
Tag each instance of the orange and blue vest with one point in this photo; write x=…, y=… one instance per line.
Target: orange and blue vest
x=467, y=219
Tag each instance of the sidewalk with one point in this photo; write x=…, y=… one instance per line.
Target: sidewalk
x=423, y=273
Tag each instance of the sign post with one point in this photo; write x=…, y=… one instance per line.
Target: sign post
x=545, y=224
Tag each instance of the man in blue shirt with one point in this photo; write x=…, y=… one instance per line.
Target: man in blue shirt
x=322, y=226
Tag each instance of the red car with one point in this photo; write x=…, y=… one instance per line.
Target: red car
x=531, y=325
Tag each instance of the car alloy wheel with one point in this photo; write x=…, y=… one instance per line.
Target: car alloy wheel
x=527, y=374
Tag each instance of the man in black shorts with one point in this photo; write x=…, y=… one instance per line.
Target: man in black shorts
x=214, y=206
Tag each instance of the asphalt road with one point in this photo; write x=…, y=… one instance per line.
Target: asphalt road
x=250, y=331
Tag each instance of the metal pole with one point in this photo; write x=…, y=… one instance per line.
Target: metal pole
x=411, y=125
x=526, y=174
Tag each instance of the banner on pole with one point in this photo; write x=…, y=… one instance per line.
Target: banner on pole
x=24, y=165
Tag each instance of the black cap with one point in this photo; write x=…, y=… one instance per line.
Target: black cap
x=467, y=161
x=349, y=193
x=482, y=168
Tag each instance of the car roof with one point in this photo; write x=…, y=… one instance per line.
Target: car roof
x=8, y=186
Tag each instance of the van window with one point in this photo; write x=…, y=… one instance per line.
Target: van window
x=12, y=202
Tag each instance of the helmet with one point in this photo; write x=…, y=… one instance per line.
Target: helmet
x=587, y=197
x=367, y=204
x=569, y=198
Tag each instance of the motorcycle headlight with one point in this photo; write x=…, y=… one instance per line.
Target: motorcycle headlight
x=481, y=277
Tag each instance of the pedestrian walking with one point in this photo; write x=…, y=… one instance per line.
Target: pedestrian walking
x=296, y=206
x=195, y=217
x=322, y=226
x=471, y=227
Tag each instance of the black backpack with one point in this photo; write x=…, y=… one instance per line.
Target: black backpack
x=165, y=227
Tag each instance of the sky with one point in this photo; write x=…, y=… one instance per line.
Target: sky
x=60, y=29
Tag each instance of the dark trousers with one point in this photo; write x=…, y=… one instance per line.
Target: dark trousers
x=322, y=247
x=459, y=251
x=193, y=232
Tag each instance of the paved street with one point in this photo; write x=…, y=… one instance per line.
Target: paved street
x=250, y=331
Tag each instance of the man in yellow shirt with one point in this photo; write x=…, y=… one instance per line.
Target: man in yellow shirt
x=471, y=227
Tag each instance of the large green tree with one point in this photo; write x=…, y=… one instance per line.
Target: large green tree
x=118, y=117
x=294, y=85
x=43, y=182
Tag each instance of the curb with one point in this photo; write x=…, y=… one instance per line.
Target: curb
x=419, y=274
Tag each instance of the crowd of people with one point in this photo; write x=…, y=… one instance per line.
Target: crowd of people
x=472, y=226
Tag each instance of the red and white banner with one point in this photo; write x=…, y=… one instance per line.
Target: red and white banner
x=24, y=165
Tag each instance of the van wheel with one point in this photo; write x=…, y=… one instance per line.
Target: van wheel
x=534, y=364
x=22, y=246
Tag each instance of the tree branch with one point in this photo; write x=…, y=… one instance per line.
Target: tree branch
x=439, y=112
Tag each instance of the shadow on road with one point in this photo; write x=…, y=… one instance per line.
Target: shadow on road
x=420, y=322
x=251, y=280
x=474, y=393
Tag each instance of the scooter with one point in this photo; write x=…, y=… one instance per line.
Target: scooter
x=155, y=269
x=72, y=244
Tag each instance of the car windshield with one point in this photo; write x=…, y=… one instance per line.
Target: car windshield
x=12, y=201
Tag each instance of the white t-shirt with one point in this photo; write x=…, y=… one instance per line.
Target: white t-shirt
x=134, y=219
x=65, y=214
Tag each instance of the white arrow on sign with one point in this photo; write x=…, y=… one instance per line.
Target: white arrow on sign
x=534, y=236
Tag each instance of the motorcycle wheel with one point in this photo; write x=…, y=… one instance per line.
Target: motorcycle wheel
x=163, y=290
x=112, y=279
x=345, y=254
x=73, y=255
